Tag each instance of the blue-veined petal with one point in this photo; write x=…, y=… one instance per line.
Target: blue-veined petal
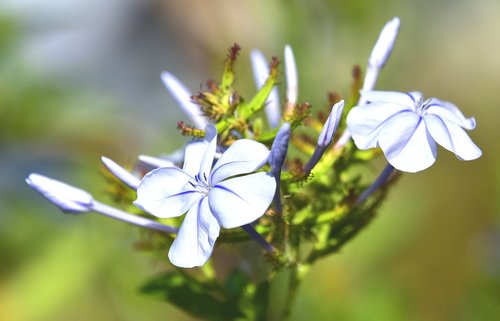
x=195, y=151
x=243, y=156
x=194, y=243
x=452, y=137
x=393, y=97
x=166, y=192
x=406, y=143
x=450, y=112
x=365, y=122
x=242, y=200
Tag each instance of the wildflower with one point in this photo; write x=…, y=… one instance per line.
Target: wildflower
x=407, y=128
x=75, y=201
x=378, y=57
x=222, y=196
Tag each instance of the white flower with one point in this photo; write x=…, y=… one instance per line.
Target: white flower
x=216, y=197
x=74, y=200
x=407, y=128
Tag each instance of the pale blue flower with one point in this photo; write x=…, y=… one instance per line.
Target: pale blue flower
x=378, y=58
x=212, y=197
x=74, y=200
x=407, y=128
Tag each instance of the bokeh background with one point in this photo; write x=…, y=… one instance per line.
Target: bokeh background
x=80, y=79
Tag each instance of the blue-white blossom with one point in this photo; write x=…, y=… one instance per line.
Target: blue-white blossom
x=407, y=128
x=378, y=58
x=212, y=197
x=74, y=200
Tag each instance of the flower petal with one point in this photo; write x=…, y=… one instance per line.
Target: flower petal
x=331, y=124
x=195, y=151
x=183, y=97
x=195, y=241
x=121, y=173
x=68, y=198
x=155, y=162
x=406, y=143
x=242, y=200
x=452, y=137
x=450, y=112
x=166, y=192
x=393, y=97
x=243, y=156
x=365, y=122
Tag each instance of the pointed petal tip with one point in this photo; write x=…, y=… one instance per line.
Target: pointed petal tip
x=119, y=172
x=66, y=197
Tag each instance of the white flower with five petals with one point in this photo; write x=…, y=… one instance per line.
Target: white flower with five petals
x=225, y=195
x=407, y=128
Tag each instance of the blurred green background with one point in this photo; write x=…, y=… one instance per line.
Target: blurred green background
x=80, y=79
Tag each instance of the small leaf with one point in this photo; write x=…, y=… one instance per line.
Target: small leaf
x=194, y=296
x=258, y=101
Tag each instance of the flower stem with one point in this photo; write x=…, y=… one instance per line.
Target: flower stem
x=258, y=238
x=383, y=177
x=133, y=219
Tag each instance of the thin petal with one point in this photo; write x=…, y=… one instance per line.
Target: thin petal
x=406, y=143
x=365, y=122
x=183, y=98
x=120, y=173
x=452, y=137
x=393, y=97
x=166, y=192
x=292, y=80
x=195, y=151
x=383, y=47
x=242, y=200
x=328, y=130
x=195, y=241
x=279, y=148
x=243, y=156
x=155, y=162
x=68, y=198
x=450, y=112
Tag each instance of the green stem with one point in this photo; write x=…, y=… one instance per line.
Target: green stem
x=293, y=284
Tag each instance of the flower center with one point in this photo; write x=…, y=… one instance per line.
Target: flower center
x=421, y=106
x=202, y=184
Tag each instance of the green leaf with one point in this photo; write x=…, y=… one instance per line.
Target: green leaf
x=258, y=102
x=197, y=297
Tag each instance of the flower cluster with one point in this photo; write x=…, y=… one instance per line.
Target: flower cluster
x=228, y=175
